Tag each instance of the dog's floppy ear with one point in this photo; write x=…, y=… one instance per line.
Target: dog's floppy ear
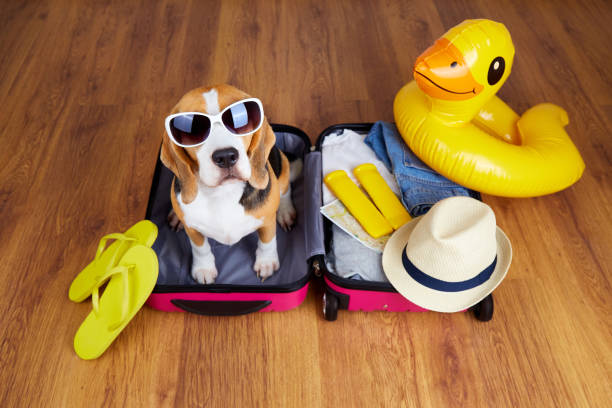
x=182, y=165
x=261, y=143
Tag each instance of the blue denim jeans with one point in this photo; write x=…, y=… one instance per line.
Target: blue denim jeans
x=421, y=186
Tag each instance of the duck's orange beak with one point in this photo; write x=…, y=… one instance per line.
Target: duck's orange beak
x=442, y=73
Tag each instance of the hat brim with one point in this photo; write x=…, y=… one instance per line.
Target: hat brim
x=432, y=299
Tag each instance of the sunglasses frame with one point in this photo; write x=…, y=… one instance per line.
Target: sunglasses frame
x=215, y=119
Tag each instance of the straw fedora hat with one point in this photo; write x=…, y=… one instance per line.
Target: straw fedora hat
x=450, y=258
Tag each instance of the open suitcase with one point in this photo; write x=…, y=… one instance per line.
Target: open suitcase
x=353, y=294
x=302, y=253
x=237, y=290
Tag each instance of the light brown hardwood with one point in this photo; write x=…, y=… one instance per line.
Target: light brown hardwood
x=84, y=89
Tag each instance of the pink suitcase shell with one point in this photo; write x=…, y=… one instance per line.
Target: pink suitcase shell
x=237, y=290
x=352, y=294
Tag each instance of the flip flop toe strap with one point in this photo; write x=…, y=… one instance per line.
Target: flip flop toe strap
x=116, y=236
x=125, y=298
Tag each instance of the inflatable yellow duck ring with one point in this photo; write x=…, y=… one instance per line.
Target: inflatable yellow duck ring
x=450, y=117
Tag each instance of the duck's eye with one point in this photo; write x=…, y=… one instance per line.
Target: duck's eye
x=496, y=70
x=453, y=64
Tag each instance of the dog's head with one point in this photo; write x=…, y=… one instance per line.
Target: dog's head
x=224, y=157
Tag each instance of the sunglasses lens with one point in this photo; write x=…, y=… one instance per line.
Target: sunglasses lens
x=242, y=118
x=189, y=129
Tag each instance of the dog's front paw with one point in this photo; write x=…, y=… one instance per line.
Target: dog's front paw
x=266, y=259
x=203, y=268
x=205, y=275
x=285, y=216
x=264, y=268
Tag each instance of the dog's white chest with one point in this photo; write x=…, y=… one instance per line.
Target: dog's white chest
x=217, y=213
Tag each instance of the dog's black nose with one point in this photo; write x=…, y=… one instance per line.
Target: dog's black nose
x=225, y=158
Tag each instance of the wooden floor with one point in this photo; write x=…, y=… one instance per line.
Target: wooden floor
x=84, y=89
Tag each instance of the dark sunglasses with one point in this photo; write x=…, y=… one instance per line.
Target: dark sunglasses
x=190, y=129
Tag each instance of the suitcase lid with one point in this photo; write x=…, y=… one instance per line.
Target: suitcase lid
x=174, y=252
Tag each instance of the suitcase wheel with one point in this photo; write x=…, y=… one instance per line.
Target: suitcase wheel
x=330, y=307
x=483, y=310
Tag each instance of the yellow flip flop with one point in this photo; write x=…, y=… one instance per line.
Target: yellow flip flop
x=131, y=282
x=143, y=232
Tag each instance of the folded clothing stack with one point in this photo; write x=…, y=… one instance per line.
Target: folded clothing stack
x=351, y=259
x=418, y=185
x=345, y=151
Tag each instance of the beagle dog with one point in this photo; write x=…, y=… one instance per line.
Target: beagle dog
x=230, y=180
